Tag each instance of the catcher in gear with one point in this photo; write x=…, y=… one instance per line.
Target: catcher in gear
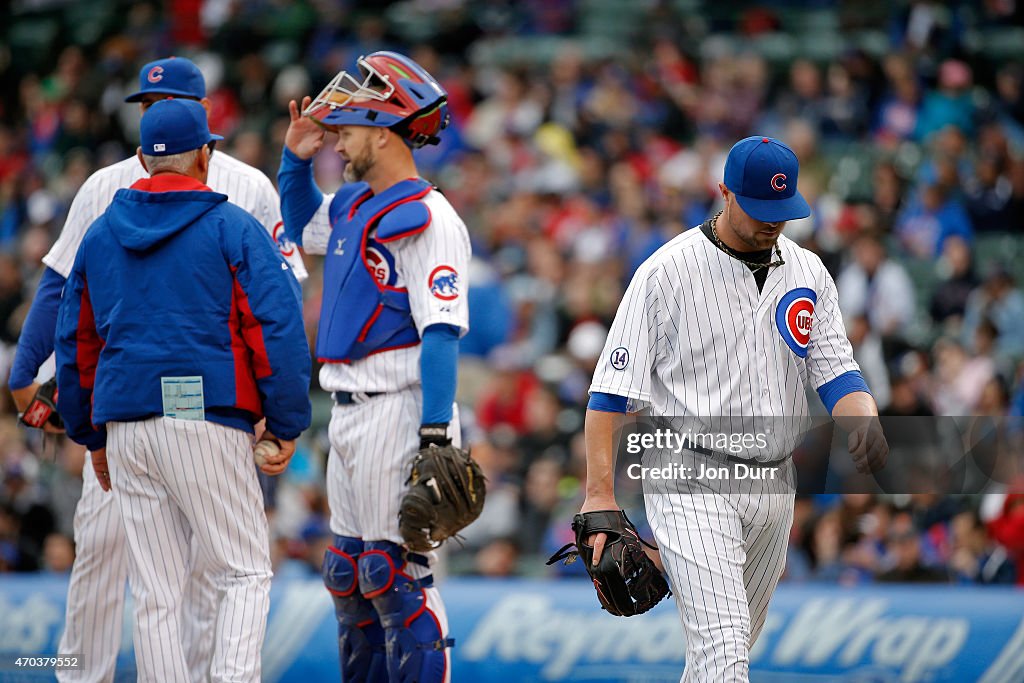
x=628, y=582
x=394, y=307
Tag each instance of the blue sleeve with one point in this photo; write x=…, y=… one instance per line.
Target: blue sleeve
x=846, y=383
x=608, y=403
x=77, y=347
x=300, y=197
x=273, y=330
x=439, y=354
x=36, y=341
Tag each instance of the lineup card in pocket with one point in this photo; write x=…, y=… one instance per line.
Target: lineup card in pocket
x=183, y=397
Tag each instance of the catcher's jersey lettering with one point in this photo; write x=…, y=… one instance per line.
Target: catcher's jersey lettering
x=694, y=338
x=244, y=185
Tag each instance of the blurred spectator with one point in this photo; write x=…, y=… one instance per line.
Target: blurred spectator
x=845, y=106
x=988, y=194
x=929, y=220
x=876, y=287
x=498, y=559
x=1008, y=529
x=1010, y=92
x=867, y=351
x=802, y=99
x=976, y=557
x=897, y=113
x=58, y=554
x=903, y=555
x=959, y=378
x=950, y=104
x=889, y=195
x=999, y=302
x=949, y=301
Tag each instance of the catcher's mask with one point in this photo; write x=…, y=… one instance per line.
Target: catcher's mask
x=392, y=91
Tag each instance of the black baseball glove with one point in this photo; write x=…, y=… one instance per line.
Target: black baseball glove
x=43, y=408
x=627, y=581
x=446, y=493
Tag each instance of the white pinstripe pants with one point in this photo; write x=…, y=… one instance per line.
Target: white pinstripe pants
x=93, y=625
x=373, y=444
x=724, y=549
x=173, y=479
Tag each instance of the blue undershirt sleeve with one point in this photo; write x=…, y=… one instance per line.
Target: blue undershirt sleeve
x=608, y=403
x=846, y=383
x=439, y=356
x=300, y=197
x=37, y=333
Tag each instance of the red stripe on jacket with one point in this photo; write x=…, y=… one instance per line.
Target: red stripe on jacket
x=251, y=360
x=88, y=343
x=169, y=182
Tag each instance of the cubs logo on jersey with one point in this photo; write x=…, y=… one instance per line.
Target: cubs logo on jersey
x=444, y=283
x=381, y=264
x=286, y=246
x=794, y=317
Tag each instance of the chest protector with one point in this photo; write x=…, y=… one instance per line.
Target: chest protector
x=360, y=316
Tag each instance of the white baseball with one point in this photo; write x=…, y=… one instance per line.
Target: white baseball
x=264, y=450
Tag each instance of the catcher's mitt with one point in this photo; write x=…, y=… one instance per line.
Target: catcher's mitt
x=43, y=408
x=446, y=493
x=627, y=581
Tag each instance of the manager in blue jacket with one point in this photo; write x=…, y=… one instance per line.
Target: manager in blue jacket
x=180, y=328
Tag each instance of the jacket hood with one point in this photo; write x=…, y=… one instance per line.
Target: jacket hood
x=140, y=219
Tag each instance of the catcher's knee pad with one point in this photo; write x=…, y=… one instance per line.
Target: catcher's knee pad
x=415, y=644
x=360, y=635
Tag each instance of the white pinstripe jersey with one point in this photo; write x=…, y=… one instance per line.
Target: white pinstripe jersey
x=244, y=186
x=693, y=338
x=443, y=246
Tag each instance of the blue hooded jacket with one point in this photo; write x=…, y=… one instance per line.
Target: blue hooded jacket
x=174, y=281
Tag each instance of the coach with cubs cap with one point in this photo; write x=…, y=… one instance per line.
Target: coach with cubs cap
x=180, y=328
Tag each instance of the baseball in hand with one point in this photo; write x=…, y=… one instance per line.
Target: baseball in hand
x=264, y=450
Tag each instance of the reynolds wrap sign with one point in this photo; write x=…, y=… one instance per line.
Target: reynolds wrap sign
x=508, y=630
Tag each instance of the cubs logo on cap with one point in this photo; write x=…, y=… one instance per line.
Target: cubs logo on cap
x=762, y=173
x=794, y=317
x=174, y=76
x=444, y=283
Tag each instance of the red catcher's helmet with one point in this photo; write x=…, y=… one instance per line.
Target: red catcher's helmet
x=392, y=92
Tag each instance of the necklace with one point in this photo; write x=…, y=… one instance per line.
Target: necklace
x=751, y=264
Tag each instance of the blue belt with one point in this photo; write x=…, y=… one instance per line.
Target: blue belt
x=344, y=398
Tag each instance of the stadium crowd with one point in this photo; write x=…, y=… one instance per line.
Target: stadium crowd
x=585, y=135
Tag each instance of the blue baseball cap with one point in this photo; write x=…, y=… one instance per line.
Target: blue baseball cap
x=171, y=76
x=762, y=173
x=174, y=126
